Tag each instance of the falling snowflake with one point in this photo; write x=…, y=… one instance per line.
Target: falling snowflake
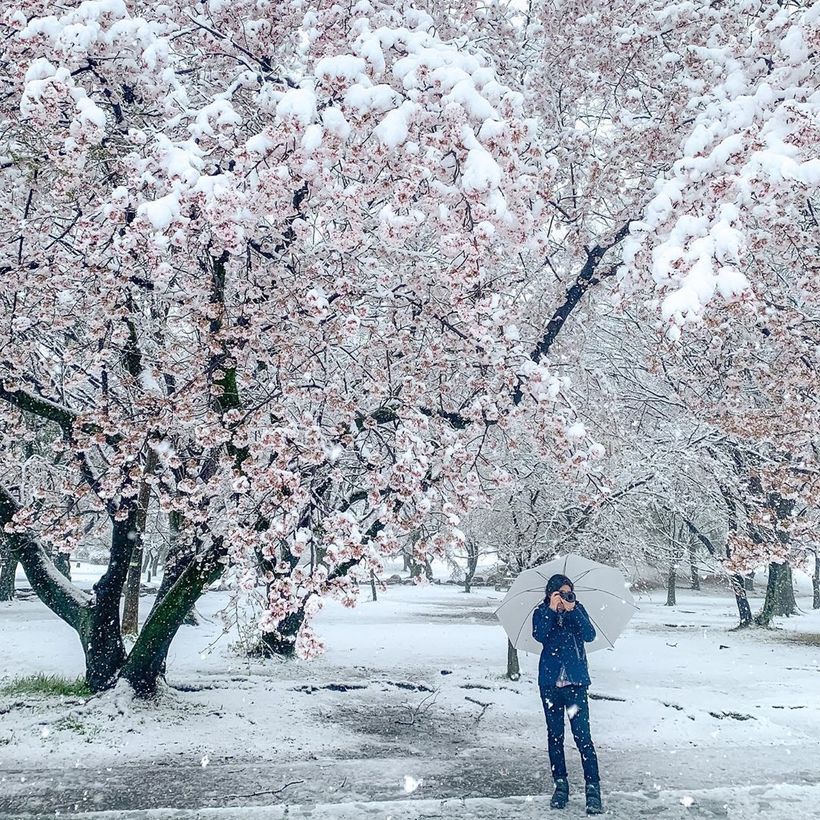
x=687, y=801
x=410, y=784
x=205, y=761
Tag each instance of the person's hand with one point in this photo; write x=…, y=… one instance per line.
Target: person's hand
x=556, y=603
x=568, y=605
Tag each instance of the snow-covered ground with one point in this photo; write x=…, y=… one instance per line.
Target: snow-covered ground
x=409, y=715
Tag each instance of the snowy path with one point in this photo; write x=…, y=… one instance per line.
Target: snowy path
x=168, y=791
x=638, y=782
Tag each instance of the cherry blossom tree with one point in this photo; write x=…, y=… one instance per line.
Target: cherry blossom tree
x=267, y=265
x=736, y=216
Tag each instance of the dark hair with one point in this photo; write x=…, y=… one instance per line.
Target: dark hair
x=556, y=582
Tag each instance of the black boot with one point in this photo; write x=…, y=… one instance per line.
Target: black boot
x=560, y=796
x=594, y=805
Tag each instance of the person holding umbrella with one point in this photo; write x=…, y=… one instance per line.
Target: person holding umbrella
x=561, y=624
x=561, y=631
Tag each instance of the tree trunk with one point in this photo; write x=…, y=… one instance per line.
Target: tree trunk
x=743, y=608
x=150, y=565
x=815, y=581
x=737, y=580
x=785, y=603
x=8, y=569
x=670, y=585
x=513, y=670
x=693, y=565
x=131, y=598
x=96, y=618
x=102, y=645
x=779, y=594
x=472, y=564
x=373, y=585
x=282, y=643
x=131, y=604
x=101, y=634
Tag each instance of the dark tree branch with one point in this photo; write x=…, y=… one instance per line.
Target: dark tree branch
x=49, y=584
x=583, y=280
x=39, y=406
x=146, y=660
x=704, y=539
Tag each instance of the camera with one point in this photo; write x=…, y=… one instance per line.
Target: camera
x=567, y=596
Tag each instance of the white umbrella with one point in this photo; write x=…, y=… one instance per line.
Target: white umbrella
x=600, y=588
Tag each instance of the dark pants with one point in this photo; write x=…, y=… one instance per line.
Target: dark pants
x=574, y=700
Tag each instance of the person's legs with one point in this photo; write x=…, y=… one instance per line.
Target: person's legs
x=578, y=710
x=554, y=713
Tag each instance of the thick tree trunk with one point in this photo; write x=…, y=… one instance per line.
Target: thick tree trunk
x=95, y=620
x=785, y=603
x=671, y=579
x=779, y=594
x=146, y=662
x=102, y=634
x=779, y=590
x=513, y=669
x=815, y=581
x=102, y=644
x=373, y=585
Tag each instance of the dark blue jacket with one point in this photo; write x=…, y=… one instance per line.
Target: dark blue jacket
x=563, y=635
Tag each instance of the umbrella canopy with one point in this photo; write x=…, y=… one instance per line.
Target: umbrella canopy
x=600, y=588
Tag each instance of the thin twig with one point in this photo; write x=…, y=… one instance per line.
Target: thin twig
x=421, y=709
x=484, y=706
x=269, y=791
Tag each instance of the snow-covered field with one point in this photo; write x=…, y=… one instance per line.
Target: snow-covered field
x=409, y=715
